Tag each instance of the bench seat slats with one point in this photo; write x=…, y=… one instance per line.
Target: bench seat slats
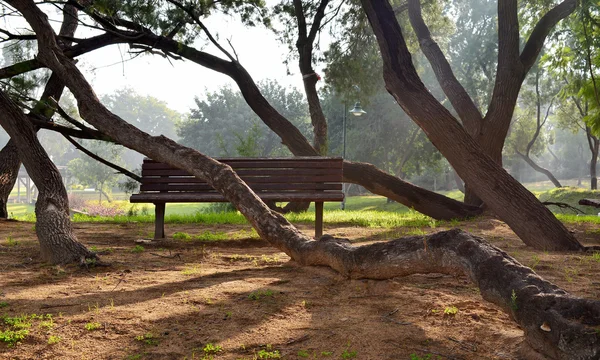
x=255, y=187
x=296, y=163
x=247, y=179
x=216, y=197
x=250, y=172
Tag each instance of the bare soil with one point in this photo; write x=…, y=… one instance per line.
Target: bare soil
x=175, y=298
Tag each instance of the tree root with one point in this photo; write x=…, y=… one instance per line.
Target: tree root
x=556, y=324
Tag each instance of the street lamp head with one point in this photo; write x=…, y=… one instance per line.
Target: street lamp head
x=357, y=110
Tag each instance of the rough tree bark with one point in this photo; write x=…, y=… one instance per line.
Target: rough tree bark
x=530, y=300
x=58, y=243
x=9, y=171
x=490, y=131
x=516, y=206
x=9, y=159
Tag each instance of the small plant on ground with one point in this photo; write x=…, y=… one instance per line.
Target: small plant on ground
x=326, y=353
x=535, y=260
x=349, y=354
x=3, y=304
x=268, y=353
x=137, y=249
x=258, y=294
x=91, y=326
x=147, y=339
x=596, y=256
x=417, y=357
x=450, y=310
x=303, y=353
x=11, y=338
x=53, y=340
x=211, y=349
x=11, y=242
x=182, y=236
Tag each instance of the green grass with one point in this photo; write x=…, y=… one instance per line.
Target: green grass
x=363, y=211
x=571, y=196
x=18, y=211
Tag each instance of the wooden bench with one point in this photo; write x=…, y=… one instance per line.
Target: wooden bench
x=315, y=179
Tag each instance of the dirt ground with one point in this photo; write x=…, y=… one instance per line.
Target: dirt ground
x=241, y=299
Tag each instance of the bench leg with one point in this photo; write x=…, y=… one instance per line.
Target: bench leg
x=159, y=222
x=318, y=219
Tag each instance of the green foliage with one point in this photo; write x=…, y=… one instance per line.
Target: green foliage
x=3, y=304
x=53, y=339
x=303, y=353
x=182, y=236
x=148, y=339
x=11, y=337
x=91, y=326
x=268, y=354
x=137, y=249
x=211, y=349
x=93, y=173
x=224, y=125
x=259, y=294
x=451, y=310
x=571, y=196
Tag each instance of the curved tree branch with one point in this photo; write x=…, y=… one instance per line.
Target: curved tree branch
x=102, y=160
x=542, y=29
x=456, y=93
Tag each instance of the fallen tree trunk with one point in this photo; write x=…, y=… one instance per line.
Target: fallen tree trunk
x=590, y=202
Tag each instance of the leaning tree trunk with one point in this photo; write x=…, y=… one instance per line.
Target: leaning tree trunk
x=506, y=197
x=9, y=159
x=58, y=243
x=9, y=171
x=555, y=323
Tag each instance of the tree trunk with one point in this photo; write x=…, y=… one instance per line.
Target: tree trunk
x=9, y=159
x=9, y=171
x=530, y=220
x=555, y=323
x=58, y=243
x=540, y=169
x=304, y=45
x=595, y=144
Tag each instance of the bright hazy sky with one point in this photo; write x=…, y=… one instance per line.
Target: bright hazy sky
x=179, y=82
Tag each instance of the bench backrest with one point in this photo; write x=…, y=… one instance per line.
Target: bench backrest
x=263, y=175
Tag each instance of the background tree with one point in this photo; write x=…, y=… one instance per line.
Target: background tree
x=531, y=132
x=147, y=113
x=90, y=172
x=223, y=121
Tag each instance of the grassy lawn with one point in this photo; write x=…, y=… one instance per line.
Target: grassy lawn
x=364, y=211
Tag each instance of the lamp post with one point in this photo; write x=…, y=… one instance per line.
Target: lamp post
x=356, y=111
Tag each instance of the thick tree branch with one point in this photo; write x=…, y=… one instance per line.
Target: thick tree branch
x=542, y=29
x=456, y=93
